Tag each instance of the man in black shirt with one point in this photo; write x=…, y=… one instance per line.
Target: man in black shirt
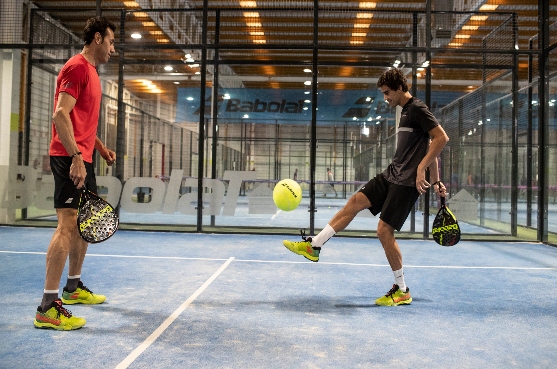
x=394, y=192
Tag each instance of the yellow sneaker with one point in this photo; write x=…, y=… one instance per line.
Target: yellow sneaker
x=303, y=248
x=82, y=295
x=395, y=297
x=56, y=317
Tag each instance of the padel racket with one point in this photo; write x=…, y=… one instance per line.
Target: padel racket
x=445, y=230
x=97, y=220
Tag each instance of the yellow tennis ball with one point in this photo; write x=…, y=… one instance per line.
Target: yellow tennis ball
x=287, y=195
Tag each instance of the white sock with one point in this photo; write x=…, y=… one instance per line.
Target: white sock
x=323, y=236
x=399, y=279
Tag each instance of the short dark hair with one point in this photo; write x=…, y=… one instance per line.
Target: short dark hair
x=393, y=78
x=94, y=25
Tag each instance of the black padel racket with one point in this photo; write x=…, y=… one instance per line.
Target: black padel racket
x=445, y=230
x=96, y=219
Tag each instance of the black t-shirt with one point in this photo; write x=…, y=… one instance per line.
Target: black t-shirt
x=413, y=141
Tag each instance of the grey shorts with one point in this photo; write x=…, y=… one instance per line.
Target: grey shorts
x=66, y=194
x=394, y=202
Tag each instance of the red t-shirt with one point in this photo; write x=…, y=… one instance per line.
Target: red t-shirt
x=79, y=79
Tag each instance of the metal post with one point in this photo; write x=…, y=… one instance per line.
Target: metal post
x=201, y=139
x=428, y=103
x=514, y=135
x=313, y=140
x=121, y=124
x=543, y=118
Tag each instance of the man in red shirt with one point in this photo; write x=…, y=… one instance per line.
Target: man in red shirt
x=74, y=138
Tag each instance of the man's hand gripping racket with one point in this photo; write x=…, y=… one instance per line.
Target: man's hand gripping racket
x=445, y=230
x=96, y=219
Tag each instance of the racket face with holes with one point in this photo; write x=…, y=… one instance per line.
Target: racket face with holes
x=445, y=230
x=97, y=220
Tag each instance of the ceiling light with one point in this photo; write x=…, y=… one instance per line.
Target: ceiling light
x=359, y=34
x=136, y=35
x=307, y=70
x=307, y=83
x=168, y=68
x=354, y=42
x=364, y=15
x=480, y=18
x=251, y=14
x=367, y=5
x=176, y=82
x=248, y=4
x=259, y=41
x=470, y=28
x=257, y=33
x=362, y=25
x=488, y=7
x=148, y=24
x=462, y=36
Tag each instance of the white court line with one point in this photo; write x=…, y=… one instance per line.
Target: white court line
x=293, y=262
x=139, y=350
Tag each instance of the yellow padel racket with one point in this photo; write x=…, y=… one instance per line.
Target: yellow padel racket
x=445, y=230
x=97, y=220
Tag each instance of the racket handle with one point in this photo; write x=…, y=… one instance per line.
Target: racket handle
x=442, y=201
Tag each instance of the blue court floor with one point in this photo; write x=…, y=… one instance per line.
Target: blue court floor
x=179, y=300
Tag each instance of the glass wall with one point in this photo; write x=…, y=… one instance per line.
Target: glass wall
x=207, y=111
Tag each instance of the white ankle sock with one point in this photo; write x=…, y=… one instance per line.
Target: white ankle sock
x=323, y=236
x=399, y=279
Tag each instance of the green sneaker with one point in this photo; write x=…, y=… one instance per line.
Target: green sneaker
x=303, y=248
x=56, y=317
x=395, y=297
x=82, y=295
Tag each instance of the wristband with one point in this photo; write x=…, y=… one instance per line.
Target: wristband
x=436, y=183
x=76, y=154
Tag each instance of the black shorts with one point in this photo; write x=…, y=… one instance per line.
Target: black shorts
x=394, y=202
x=66, y=194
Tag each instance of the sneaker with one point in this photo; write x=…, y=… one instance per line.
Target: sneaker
x=303, y=248
x=82, y=295
x=395, y=297
x=56, y=317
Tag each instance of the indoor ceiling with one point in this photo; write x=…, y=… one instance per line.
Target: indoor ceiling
x=262, y=41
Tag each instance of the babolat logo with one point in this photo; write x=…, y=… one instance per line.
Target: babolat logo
x=445, y=228
x=260, y=106
x=289, y=189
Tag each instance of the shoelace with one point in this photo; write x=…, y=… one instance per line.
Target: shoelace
x=62, y=310
x=303, y=234
x=308, y=239
x=393, y=290
x=84, y=288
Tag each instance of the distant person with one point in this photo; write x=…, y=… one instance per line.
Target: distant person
x=295, y=176
x=394, y=192
x=330, y=179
